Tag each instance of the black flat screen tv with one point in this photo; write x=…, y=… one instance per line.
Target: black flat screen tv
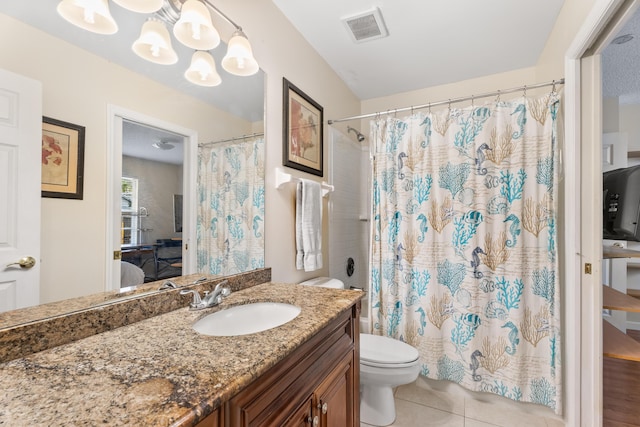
x=621, y=204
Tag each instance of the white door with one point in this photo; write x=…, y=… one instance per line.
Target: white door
x=20, y=156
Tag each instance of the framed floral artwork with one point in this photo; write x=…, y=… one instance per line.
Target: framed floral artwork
x=302, y=128
x=62, y=159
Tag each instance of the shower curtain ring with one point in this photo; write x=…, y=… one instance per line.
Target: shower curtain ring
x=498, y=96
x=553, y=87
x=524, y=90
x=472, y=101
x=429, y=110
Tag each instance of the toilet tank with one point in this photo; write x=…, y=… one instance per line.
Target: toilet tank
x=324, y=282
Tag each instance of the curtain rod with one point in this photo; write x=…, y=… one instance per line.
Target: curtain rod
x=452, y=100
x=235, y=138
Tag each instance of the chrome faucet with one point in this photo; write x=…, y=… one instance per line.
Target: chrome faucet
x=210, y=299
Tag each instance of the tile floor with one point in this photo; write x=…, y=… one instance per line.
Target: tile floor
x=443, y=404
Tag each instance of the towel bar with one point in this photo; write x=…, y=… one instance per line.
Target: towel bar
x=282, y=178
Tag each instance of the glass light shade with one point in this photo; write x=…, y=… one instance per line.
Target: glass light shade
x=90, y=15
x=154, y=43
x=140, y=6
x=194, y=28
x=239, y=59
x=202, y=71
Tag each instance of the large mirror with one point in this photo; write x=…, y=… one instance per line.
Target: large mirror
x=84, y=76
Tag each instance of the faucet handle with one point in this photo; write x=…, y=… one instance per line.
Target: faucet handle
x=197, y=301
x=221, y=285
x=168, y=285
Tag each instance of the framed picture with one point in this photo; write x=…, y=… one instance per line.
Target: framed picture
x=302, y=128
x=62, y=159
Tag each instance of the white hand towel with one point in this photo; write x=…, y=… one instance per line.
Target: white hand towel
x=308, y=225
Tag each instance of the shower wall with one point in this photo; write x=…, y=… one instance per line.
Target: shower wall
x=348, y=213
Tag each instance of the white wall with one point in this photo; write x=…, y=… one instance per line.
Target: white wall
x=629, y=123
x=347, y=230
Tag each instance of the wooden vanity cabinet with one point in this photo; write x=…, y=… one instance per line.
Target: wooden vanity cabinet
x=317, y=385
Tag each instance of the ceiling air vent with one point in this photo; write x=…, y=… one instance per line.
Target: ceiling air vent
x=366, y=26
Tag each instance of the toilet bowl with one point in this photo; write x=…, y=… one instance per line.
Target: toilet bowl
x=385, y=363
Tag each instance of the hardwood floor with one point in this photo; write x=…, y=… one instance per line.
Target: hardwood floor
x=621, y=391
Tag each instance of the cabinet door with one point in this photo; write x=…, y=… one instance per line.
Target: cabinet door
x=212, y=420
x=334, y=396
x=302, y=417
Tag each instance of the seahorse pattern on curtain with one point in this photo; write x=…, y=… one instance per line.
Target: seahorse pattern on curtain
x=464, y=252
x=230, y=224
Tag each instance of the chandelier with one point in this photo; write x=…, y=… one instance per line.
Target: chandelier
x=192, y=26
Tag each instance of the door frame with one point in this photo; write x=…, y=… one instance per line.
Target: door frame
x=583, y=243
x=115, y=115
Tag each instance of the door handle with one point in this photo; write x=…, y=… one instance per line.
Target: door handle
x=24, y=262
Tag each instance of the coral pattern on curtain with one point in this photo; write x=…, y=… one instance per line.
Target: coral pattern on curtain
x=230, y=225
x=464, y=252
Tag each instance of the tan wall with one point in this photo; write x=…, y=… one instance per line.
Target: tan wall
x=571, y=18
x=70, y=95
x=78, y=89
x=282, y=52
x=157, y=183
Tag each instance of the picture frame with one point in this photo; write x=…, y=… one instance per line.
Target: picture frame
x=303, y=139
x=62, y=159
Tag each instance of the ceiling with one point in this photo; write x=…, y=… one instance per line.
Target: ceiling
x=430, y=42
x=138, y=140
x=620, y=65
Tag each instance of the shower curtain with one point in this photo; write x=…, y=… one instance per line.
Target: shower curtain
x=464, y=254
x=230, y=226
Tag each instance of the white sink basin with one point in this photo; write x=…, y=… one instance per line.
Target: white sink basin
x=246, y=319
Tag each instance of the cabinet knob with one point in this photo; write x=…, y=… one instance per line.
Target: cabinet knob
x=325, y=408
x=315, y=421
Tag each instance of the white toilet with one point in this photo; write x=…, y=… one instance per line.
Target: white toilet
x=385, y=363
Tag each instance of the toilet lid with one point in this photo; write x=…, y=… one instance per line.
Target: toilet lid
x=324, y=282
x=378, y=349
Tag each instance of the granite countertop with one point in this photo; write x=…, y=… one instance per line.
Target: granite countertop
x=159, y=371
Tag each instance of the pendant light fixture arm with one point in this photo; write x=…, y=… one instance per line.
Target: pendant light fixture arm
x=219, y=12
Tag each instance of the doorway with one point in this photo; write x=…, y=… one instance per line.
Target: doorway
x=150, y=197
x=583, y=178
x=151, y=204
